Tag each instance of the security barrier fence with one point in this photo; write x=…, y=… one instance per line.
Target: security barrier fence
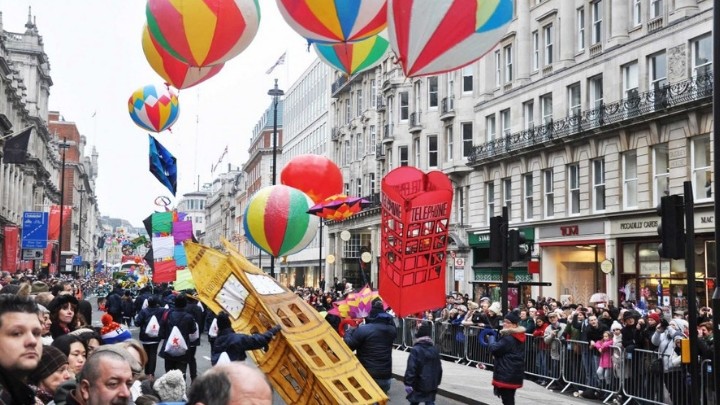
x=636, y=375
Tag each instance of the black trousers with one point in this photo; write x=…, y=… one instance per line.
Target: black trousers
x=507, y=395
x=152, y=351
x=192, y=362
x=176, y=364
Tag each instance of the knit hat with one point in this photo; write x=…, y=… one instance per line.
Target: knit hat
x=615, y=325
x=654, y=316
x=51, y=361
x=38, y=287
x=424, y=330
x=462, y=308
x=60, y=301
x=377, y=308
x=495, y=307
x=171, y=386
x=681, y=324
x=113, y=332
x=513, y=318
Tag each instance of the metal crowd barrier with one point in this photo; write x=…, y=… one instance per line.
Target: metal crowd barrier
x=571, y=363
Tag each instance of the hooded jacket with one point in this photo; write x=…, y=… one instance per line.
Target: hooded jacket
x=424, y=371
x=509, y=354
x=236, y=344
x=373, y=342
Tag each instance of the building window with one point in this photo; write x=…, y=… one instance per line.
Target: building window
x=404, y=106
x=528, y=195
x=372, y=183
x=467, y=135
x=373, y=94
x=655, y=8
x=505, y=124
x=359, y=147
x=581, y=29
x=403, y=155
x=497, y=68
x=658, y=71
x=433, y=92
x=536, y=51
x=490, y=198
x=346, y=156
x=449, y=143
x=467, y=79
x=346, y=187
x=597, y=22
x=630, y=179
x=416, y=148
x=574, y=103
x=599, y=185
x=529, y=114
x=450, y=84
x=574, y=188
x=508, y=64
x=702, y=56
x=348, y=111
x=507, y=196
x=359, y=187
x=661, y=173
x=460, y=202
x=630, y=80
x=596, y=91
x=432, y=151
x=548, y=34
x=549, y=193
x=702, y=173
x=373, y=138
x=636, y=16
x=489, y=128
x=546, y=106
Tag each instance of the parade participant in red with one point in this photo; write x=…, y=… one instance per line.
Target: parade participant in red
x=509, y=354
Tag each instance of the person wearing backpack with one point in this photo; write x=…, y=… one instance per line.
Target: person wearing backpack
x=232, y=345
x=176, y=327
x=196, y=311
x=148, y=320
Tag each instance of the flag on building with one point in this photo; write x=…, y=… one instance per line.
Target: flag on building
x=279, y=62
x=15, y=148
x=163, y=165
x=214, y=167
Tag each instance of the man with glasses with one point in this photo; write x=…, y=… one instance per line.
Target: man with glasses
x=591, y=358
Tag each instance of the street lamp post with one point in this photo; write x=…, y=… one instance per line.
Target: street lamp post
x=63, y=146
x=275, y=92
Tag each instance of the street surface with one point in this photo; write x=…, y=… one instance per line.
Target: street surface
x=397, y=391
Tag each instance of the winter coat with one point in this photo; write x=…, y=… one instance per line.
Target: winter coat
x=128, y=307
x=197, y=314
x=606, y=353
x=539, y=336
x=13, y=391
x=114, y=303
x=665, y=341
x=185, y=323
x=424, y=371
x=528, y=324
x=236, y=344
x=551, y=333
x=142, y=319
x=373, y=342
x=509, y=354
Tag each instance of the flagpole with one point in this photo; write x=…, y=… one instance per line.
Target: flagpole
x=15, y=133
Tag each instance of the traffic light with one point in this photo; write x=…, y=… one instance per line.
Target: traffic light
x=672, y=227
x=498, y=229
x=517, y=246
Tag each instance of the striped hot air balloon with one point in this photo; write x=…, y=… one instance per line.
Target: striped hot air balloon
x=175, y=72
x=276, y=220
x=431, y=37
x=335, y=20
x=353, y=57
x=203, y=33
x=154, y=108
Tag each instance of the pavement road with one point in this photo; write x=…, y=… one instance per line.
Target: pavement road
x=396, y=394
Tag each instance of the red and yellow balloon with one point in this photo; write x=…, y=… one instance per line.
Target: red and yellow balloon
x=201, y=32
x=175, y=72
x=315, y=175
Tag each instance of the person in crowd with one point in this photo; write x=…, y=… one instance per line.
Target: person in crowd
x=170, y=387
x=373, y=342
x=541, y=359
x=185, y=323
x=667, y=338
x=149, y=336
x=113, y=332
x=592, y=334
x=653, y=319
x=424, y=368
x=20, y=348
x=113, y=303
x=90, y=338
x=46, y=323
x=223, y=384
x=63, y=314
x=605, y=364
x=236, y=344
x=553, y=336
x=508, y=353
x=128, y=308
x=527, y=321
x=76, y=352
x=51, y=371
x=706, y=351
x=194, y=309
x=105, y=380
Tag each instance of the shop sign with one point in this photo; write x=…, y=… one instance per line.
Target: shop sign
x=578, y=229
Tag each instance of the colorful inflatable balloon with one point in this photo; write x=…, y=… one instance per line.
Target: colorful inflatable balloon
x=276, y=220
x=176, y=73
x=203, y=33
x=315, y=175
x=353, y=57
x=335, y=20
x=153, y=108
x=431, y=37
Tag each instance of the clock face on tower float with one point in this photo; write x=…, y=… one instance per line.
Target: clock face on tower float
x=232, y=296
x=265, y=285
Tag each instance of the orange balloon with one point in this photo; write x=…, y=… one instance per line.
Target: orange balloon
x=315, y=175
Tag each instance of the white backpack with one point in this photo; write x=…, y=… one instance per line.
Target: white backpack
x=213, y=331
x=223, y=359
x=175, y=344
x=195, y=335
x=152, y=329
x=144, y=304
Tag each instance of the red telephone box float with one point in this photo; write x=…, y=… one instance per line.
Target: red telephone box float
x=415, y=220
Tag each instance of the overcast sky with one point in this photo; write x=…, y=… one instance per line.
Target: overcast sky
x=96, y=62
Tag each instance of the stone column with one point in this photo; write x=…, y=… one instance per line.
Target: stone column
x=618, y=21
x=567, y=37
x=683, y=9
x=524, y=42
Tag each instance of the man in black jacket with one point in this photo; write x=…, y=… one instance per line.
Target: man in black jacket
x=114, y=303
x=373, y=342
x=424, y=368
x=177, y=317
x=509, y=358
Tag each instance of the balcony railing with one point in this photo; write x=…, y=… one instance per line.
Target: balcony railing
x=415, y=122
x=447, y=107
x=379, y=152
x=380, y=103
x=335, y=134
x=636, y=106
x=340, y=83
